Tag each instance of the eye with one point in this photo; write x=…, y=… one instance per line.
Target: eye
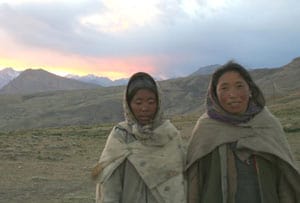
x=240, y=85
x=151, y=101
x=223, y=88
x=138, y=102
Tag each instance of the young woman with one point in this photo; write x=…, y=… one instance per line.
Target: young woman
x=143, y=159
x=238, y=152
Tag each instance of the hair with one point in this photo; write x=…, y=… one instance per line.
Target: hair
x=140, y=80
x=256, y=93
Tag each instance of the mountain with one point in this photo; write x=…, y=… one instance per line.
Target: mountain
x=33, y=81
x=181, y=96
x=206, y=70
x=102, y=81
x=6, y=75
x=281, y=81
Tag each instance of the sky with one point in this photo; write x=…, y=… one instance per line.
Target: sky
x=166, y=38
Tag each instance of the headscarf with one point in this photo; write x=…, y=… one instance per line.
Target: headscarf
x=157, y=144
x=215, y=110
x=139, y=81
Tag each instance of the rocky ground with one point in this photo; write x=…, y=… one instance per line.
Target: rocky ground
x=48, y=167
x=54, y=165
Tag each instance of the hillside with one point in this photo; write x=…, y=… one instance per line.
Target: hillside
x=283, y=80
x=181, y=96
x=53, y=165
x=60, y=108
x=33, y=81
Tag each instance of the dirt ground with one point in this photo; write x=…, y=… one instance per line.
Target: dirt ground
x=47, y=168
x=56, y=168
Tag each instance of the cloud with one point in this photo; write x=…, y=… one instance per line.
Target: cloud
x=171, y=37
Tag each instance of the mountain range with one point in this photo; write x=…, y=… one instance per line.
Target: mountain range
x=9, y=74
x=33, y=81
x=96, y=104
x=102, y=81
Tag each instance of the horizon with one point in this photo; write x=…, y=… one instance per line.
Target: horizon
x=66, y=75
x=170, y=39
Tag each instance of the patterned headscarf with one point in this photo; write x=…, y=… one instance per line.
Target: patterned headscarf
x=139, y=81
x=215, y=110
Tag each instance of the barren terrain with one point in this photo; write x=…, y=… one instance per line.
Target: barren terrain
x=54, y=164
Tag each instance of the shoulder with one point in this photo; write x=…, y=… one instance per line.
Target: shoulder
x=266, y=119
x=206, y=126
x=118, y=132
x=168, y=128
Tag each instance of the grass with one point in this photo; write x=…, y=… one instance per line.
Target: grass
x=54, y=164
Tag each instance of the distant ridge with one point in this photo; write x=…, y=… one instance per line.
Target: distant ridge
x=181, y=96
x=206, y=70
x=7, y=75
x=103, y=81
x=34, y=81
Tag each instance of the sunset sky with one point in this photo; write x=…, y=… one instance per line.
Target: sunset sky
x=166, y=38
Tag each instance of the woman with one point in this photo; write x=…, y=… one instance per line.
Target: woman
x=238, y=152
x=143, y=157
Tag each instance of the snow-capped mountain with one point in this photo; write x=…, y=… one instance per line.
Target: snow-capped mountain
x=103, y=81
x=7, y=75
x=32, y=81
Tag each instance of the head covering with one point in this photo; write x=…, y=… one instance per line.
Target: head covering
x=139, y=81
x=216, y=111
x=142, y=80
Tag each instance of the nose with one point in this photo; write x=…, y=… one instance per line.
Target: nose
x=232, y=93
x=144, y=108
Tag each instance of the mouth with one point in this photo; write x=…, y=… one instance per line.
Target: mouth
x=144, y=119
x=234, y=104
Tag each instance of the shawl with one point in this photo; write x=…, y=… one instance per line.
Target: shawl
x=160, y=167
x=157, y=153
x=262, y=135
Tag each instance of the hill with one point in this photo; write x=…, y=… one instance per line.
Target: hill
x=33, y=81
x=181, y=96
x=281, y=81
x=53, y=165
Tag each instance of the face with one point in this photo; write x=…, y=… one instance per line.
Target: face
x=233, y=92
x=143, y=106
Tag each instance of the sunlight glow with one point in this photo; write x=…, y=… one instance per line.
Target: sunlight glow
x=61, y=71
x=122, y=15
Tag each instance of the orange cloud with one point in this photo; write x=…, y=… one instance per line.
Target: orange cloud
x=62, y=64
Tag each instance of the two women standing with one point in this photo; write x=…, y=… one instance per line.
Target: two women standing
x=238, y=152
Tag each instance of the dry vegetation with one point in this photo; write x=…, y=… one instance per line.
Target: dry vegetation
x=54, y=164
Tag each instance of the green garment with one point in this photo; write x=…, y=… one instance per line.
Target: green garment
x=212, y=175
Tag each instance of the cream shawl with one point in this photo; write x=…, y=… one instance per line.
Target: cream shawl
x=160, y=167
